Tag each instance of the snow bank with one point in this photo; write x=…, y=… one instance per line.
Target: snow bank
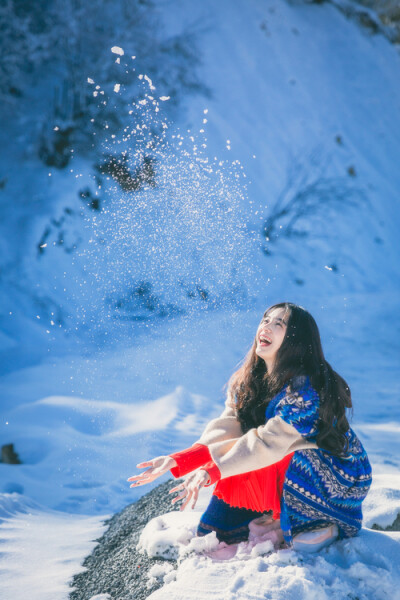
x=164, y=536
x=382, y=505
x=69, y=447
x=362, y=567
x=64, y=541
x=11, y=504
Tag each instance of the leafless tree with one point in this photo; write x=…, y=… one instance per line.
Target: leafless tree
x=308, y=194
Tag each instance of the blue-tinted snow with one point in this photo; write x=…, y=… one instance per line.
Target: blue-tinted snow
x=302, y=95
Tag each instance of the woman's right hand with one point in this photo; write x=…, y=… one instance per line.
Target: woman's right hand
x=189, y=489
x=157, y=467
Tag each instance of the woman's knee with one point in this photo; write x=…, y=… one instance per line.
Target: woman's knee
x=313, y=541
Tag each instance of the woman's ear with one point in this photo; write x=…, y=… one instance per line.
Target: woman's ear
x=230, y=399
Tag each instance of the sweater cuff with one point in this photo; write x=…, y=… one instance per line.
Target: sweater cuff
x=190, y=459
x=214, y=473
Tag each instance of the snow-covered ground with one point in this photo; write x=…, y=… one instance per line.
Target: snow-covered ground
x=362, y=567
x=41, y=549
x=297, y=91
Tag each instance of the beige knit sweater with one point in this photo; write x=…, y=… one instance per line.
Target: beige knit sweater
x=234, y=452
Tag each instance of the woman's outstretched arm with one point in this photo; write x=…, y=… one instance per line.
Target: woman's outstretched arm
x=224, y=427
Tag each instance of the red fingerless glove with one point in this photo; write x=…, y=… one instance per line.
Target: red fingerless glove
x=213, y=473
x=190, y=459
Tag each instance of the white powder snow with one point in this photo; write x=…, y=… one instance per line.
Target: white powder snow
x=364, y=567
x=285, y=78
x=117, y=50
x=41, y=550
x=149, y=81
x=209, y=569
x=381, y=506
x=163, y=536
x=164, y=572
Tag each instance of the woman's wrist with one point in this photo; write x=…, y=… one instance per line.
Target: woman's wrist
x=207, y=477
x=213, y=472
x=190, y=459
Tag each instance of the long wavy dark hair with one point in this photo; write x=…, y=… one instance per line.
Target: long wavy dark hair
x=299, y=354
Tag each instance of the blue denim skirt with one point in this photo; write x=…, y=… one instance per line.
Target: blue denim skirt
x=230, y=524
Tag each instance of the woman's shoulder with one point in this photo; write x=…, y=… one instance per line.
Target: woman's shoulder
x=301, y=386
x=354, y=443
x=299, y=406
x=296, y=391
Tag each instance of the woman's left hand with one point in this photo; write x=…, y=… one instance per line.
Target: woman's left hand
x=190, y=488
x=157, y=467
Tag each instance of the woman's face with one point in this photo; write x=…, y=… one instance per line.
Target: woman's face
x=270, y=334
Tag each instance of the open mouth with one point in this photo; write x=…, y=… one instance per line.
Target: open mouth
x=265, y=341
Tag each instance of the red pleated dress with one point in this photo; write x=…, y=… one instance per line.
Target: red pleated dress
x=259, y=490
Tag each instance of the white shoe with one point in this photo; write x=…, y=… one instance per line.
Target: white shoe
x=313, y=541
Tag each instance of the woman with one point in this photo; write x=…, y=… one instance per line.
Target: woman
x=282, y=453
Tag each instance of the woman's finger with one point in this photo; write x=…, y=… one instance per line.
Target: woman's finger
x=142, y=482
x=143, y=465
x=141, y=475
x=135, y=477
x=195, y=497
x=144, y=478
x=187, y=500
x=180, y=497
x=181, y=488
x=175, y=489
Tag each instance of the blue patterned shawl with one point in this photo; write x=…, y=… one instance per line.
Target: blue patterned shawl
x=320, y=488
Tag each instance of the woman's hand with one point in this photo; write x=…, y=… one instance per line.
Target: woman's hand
x=158, y=466
x=190, y=488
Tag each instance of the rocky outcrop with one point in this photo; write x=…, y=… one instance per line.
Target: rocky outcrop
x=388, y=12
x=9, y=456
x=395, y=526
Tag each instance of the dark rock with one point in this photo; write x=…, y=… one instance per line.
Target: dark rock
x=130, y=181
x=93, y=202
x=368, y=22
x=351, y=171
x=115, y=566
x=395, y=526
x=9, y=456
x=55, y=147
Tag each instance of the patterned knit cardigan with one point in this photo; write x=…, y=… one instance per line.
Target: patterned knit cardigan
x=319, y=487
